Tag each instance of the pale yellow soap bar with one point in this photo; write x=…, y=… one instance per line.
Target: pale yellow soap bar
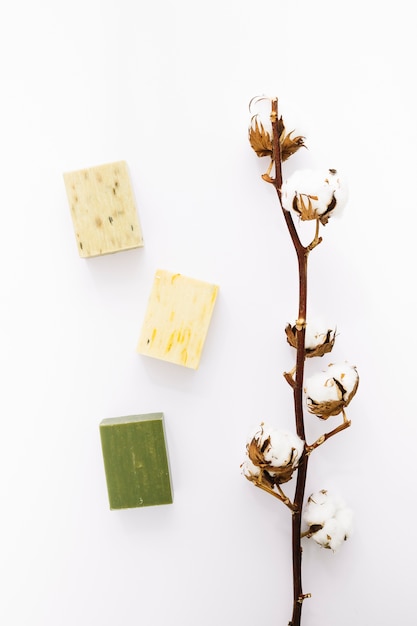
x=103, y=209
x=177, y=318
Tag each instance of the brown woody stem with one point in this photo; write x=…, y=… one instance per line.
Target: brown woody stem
x=326, y=436
x=289, y=377
x=297, y=385
x=280, y=494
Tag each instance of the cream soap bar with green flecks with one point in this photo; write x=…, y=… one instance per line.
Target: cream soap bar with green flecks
x=136, y=461
x=177, y=318
x=103, y=209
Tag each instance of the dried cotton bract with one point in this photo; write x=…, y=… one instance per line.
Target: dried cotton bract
x=261, y=132
x=314, y=195
x=328, y=519
x=329, y=392
x=272, y=455
x=260, y=139
x=319, y=338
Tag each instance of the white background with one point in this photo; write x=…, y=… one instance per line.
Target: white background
x=166, y=86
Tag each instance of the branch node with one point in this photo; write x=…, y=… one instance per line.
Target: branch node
x=316, y=444
x=267, y=178
x=300, y=324
x=345, y=424
x=314, y=243
x=289, y=378
x=303, y=597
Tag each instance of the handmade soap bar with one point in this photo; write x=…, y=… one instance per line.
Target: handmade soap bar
x=177, y=319
x=136, y=461
x=103, y=209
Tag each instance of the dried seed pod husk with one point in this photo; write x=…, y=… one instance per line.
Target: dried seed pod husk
x=326, y=409
x=289, y=145
x=260, y=139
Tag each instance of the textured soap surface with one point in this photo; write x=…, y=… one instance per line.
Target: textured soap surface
x=136, y=461
x=103, y=209
x=177, y=318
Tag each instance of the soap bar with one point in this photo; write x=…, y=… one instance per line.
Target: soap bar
x=103, y=209
x=136, y=461
x=177, y=318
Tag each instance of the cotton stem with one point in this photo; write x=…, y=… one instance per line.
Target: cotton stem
x=316, y=239
x=289, y=377
x=277, y=494
x=302, y=253
x=345, y=424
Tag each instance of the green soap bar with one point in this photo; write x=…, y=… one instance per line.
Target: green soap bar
x=136, y=461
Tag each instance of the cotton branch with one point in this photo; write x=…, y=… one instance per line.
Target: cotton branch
x=273, y=456
x=345, y=424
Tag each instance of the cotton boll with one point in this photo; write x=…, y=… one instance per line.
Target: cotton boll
x=308, y=183
x=277, y=452
x=346, y=374
x=344, y=517
x=319, y=509
x=328, y=519
x=318, y=333
x=330, y=536
x=283, y=444
x=277, y=445
x=321, y=388
x=329, y=392
x=319, y=338
x=334, y=532
x=314, y=194
x=249, y=469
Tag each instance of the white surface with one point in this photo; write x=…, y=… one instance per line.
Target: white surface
x=166, y=86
